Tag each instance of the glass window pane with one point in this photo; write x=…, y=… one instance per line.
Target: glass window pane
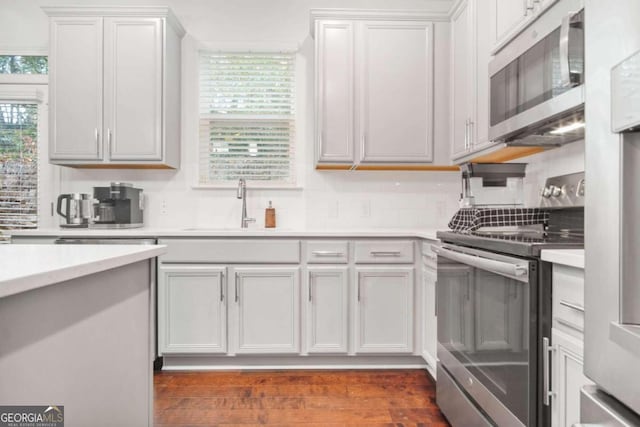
x=18, y=64
x=18, y=166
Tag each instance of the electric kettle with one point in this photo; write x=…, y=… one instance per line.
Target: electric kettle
x=78, y=209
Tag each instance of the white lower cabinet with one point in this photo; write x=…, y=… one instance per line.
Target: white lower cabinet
x=192, y=309
x=567, y=378
x=430, y=323
x=384, y=309
x=327, y=309
x=265, y=314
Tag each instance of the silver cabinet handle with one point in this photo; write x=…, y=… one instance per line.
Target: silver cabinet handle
x=358, y=290
x=310, y=280
x=222, y=283
x=327, y=253
x=546, y=367
x=236, y=286
x=569, y=324
x=385, y=253
x=95, y=135
x=572, y=305
x=466, y=134
x=109, y=141
x=363, y=143
x=471, y=141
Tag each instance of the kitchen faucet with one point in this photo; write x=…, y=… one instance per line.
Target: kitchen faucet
x=242, y=194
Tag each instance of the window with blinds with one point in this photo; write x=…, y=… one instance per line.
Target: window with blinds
x=247, y=118
x=18, y=167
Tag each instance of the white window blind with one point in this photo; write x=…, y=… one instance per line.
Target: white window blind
x=18, y=166
x=247, y=118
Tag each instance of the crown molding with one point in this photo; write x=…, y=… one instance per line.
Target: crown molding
x=115, y=11
x=376, y=14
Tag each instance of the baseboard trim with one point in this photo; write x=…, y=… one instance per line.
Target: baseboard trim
x=212, y=363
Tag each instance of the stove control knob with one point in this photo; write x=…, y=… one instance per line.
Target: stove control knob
x=555, y=190
x=546, y=192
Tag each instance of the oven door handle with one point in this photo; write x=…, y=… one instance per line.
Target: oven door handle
x=500, y=267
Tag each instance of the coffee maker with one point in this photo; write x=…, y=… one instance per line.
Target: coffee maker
x=118, y=206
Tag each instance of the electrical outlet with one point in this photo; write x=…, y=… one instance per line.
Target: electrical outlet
x=163, y=207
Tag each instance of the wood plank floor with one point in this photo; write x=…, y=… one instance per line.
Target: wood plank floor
x=372, y=398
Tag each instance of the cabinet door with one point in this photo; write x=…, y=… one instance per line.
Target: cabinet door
x=327, y=310
x=567, y=379
x=395, y=92
x=335, y=91
x=463, y=77
x=430, y=323
x=192, y=311
x=75, y=89
x=507, y=17
x=384, y=310
x=133, y=88
x=267, y=307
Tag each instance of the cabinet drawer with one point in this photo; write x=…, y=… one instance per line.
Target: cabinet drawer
x=328, y=252
x=568, y=298
x=231, y=251
x=384, y=252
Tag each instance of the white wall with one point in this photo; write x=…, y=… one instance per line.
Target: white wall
x=327, y=199
x=337, y=199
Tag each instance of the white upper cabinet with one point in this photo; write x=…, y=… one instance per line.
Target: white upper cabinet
x=509, y=17
x=463, y=66
x=374, y=90
x=133, y=88
x=334, y=80
x=75, y=85
x=396, y=92
x=114, y=87
x=470, y=46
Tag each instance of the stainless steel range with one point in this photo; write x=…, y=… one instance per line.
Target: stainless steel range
x=494, y=309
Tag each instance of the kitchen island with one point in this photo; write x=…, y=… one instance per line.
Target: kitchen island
x=76, y=330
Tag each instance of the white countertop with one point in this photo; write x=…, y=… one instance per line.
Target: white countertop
x=424, y=233
x=26, y=267
x=569, y=257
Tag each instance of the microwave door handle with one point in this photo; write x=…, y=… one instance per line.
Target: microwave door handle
x=565, y=73
x=499, y=267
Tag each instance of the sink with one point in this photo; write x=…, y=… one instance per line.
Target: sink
x=214, y=229
x=217, y=229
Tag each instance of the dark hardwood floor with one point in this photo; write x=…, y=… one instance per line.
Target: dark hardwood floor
x=371, y=398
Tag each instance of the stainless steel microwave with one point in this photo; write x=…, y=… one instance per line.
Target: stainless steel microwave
x=537, y=81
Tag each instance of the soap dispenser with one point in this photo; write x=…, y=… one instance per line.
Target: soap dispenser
x=270, y=216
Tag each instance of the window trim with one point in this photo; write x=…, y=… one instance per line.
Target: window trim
x=192, y=64
x=48, y=176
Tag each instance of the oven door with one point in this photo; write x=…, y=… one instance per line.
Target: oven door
x=486, y=306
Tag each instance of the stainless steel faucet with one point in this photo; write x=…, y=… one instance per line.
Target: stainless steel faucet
x=242, y=194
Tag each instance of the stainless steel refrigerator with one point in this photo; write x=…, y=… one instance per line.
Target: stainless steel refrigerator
x=612, y=301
